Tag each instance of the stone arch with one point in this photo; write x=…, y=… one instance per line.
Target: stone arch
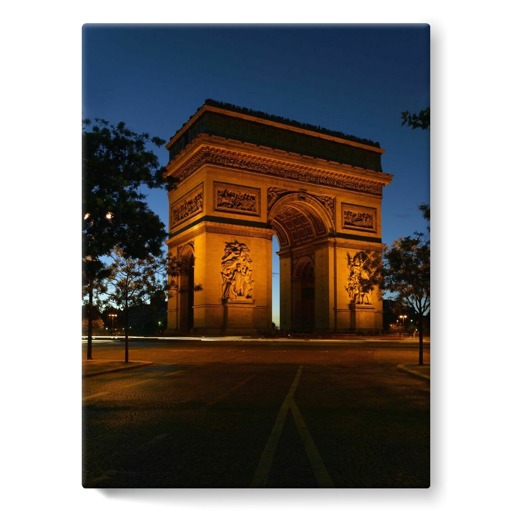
x=241, y=178
x=299, y=218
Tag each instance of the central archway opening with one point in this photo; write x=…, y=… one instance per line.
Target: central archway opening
x=301, y=225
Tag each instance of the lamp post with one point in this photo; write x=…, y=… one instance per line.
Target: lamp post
x=92, y=268
x=112, y=317
x=403, y=317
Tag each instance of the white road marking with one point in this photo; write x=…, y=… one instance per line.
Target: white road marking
x=267, y=457
x=96, y=395
x=137, y=383
x=317, y=465
x=133, y=384
x=229, y=391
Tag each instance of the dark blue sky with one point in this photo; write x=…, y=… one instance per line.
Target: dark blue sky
x=352, y=78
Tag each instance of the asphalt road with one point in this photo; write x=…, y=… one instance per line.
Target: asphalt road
x=241, y=415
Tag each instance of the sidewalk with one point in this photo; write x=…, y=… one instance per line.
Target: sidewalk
x=422, y=372
x=99, y=366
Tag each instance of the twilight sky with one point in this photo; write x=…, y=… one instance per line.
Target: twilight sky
x=351, y=78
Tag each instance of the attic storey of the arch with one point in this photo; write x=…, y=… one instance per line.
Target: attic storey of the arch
x=243, y=177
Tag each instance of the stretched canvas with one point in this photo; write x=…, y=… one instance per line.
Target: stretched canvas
x=256, y=256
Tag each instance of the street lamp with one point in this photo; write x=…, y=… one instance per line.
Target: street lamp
x=112, y=317
x=403, y=317
x=91, y=266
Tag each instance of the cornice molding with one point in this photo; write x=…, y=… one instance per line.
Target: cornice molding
x=271, y=162
x=223, y=225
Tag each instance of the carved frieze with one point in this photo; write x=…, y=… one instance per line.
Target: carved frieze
x=236, y=199
x=330, y=204
x=236, y=272
x=271, y=167
x=273, y=194
x=360, y=218
x=189, y=205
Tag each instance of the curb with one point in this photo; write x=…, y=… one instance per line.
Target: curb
x=404, y=368
x=113, y=370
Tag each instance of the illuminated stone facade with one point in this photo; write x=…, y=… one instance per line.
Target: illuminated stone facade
x=243, y=177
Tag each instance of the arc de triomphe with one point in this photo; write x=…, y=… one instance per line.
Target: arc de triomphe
x=244, y=176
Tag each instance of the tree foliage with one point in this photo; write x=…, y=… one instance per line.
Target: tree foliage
x=116, y=162
x=420, y=120
x=133, y=281
x=425, y=210
x=406, y=273
x=408, y=260
x=136, y=281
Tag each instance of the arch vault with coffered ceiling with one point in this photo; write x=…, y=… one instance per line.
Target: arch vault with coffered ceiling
x=243, y=177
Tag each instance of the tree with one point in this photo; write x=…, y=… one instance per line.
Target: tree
x=420, y=120
x=94, y=273
x=98, y=322
x=406, y=273
x=425, y=210
x=136, y=281
x=133, y=281
x=406, y=252
x=115, y=164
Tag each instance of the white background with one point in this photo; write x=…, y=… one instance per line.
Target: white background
x=40, y=256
